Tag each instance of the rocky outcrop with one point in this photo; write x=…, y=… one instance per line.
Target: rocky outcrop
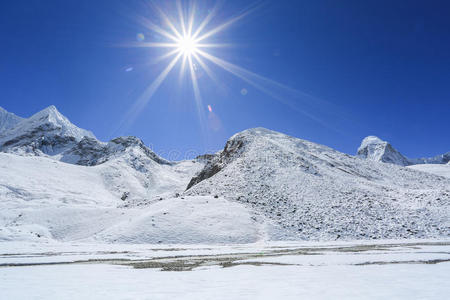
x=216, y=163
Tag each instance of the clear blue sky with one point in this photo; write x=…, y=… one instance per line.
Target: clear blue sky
x=370, y=68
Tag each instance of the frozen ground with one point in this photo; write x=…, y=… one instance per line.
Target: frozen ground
x=384, y=269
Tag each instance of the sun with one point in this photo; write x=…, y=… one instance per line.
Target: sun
x=187, y=45
x=188, y=42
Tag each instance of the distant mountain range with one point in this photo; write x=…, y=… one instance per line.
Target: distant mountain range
x=58, y=182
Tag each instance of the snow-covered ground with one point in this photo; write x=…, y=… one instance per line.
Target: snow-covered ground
x=43, y=199
x=436, y=169
x=345, y=270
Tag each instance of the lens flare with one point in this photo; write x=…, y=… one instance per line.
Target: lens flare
x=140, y=37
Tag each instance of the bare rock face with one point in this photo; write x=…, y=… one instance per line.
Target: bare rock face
x=216, y=163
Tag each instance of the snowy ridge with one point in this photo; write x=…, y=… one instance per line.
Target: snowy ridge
x=90, y=152
x=8, y=120
x=46, y=132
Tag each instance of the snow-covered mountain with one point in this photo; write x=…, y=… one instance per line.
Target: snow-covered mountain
x=47, y=132
x=8, y=120
x=58, y=182
x=438, y=159
x=375, y=149
x=310, y=191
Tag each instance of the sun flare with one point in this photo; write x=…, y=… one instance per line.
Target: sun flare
x=187, y=45
x=188, y=41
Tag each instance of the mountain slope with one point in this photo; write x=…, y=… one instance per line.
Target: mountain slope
x=42, y=199
x=8, y=120
x=436, y=169
x=313, y=192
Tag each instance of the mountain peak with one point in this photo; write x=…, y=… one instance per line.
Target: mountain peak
x=47, y=131
x=50, y=114
x=374, y=148
x=62, y=124
x=372, y=139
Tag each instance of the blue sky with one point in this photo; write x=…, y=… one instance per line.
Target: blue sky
x=358, y=68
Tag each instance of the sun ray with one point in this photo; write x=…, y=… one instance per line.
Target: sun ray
x=148, y=93
x=206, y=68
x=191, y=19
x=183, y=67
x=150, y=45
x=251, y=78
x=181, y=16
x=225, y=25
x=150, y=25
x=208, y=19
x=194, y=81
x=197, y=95
x=164, y=56
x=216, y=45
x=168, y=22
